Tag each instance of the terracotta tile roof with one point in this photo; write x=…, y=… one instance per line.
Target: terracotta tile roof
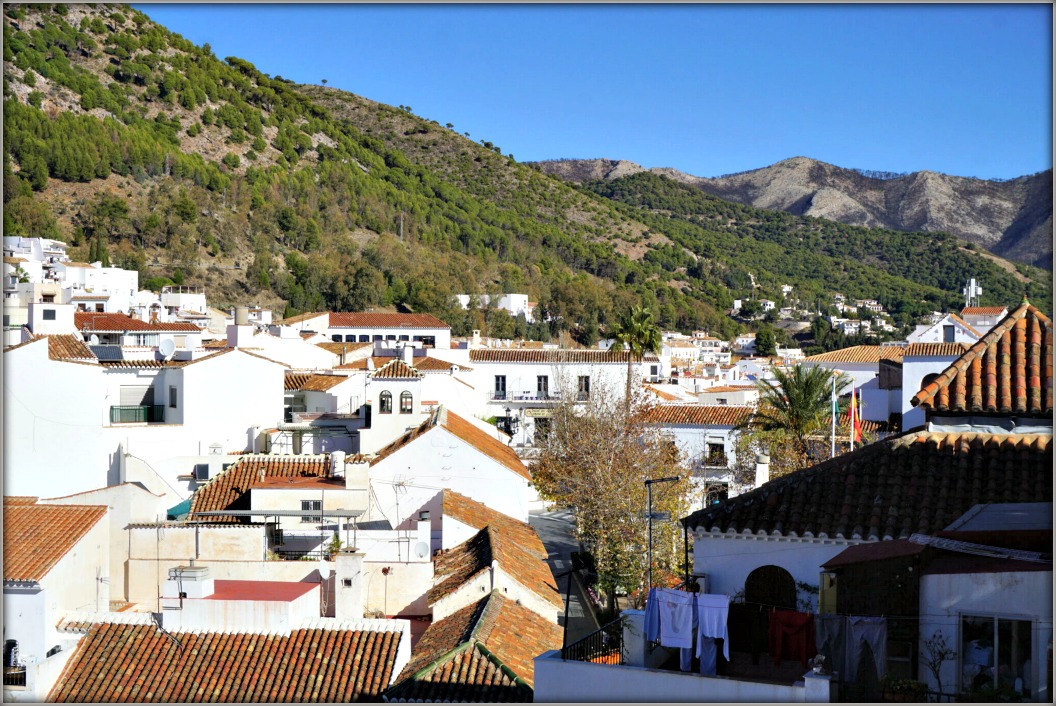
x=105, y=321
x=322, y=383
x=858, y=354
x=396, y=370
x=943, y=349
x=217, y=343
x=467, y=432
x=482, y=653
x=666, y=396
x=729, y=388
x=229, y=489
x=984, y=311
x=478, y=516
x=1007, y=371
x=133, y=364
x=140, y=663
x=69, y=347
x=339, y=348
x=916, y=482
x=964, y=323
x=295, y=380
x=14, y=260
x=20, y=500
x=453, y=568
x=550, y=356
x=301, y=317
x=420, y=363
x=700, y=414
x=75, y=264
x=89, y=297
x=384, y=320
x=36, y=537
x=428, y=363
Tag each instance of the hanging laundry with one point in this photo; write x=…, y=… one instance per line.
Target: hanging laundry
x=676, y=617
x=792, y=636
x=831, y=639
x=709, y=656
x=861, y=631
x=713, y=611
x=652, y=616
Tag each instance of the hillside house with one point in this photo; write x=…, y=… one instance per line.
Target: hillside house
x=983, y=318
x=515, y=304
x=418, y=330
x=949, y=329
x=723, y=395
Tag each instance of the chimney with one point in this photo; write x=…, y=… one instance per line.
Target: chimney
x=337, y=464
x=348, y=585
x=424, y=531
x=408, y=355
x=762, y=469
x=476, y=338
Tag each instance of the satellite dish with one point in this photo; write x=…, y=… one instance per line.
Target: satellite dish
x=324, y=570
x=167, y=347
x=421, y=550
x=94, y=340
x=78, y=335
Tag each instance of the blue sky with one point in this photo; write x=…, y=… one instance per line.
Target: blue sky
x=708, y=89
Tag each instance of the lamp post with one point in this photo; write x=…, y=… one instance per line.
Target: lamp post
x=649, y=493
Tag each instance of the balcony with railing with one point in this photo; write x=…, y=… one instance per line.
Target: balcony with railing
x=137, y=414
x=544, y=396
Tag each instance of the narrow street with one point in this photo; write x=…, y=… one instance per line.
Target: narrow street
x=555, y=531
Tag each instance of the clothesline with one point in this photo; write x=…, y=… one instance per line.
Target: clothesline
x=933, y=617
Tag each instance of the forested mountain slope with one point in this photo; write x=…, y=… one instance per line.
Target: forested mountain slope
x=136, y=146
x=1011, y=218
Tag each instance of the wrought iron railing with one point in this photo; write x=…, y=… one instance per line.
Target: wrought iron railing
x=128, y=414
x=603, y=646
x=301, y=554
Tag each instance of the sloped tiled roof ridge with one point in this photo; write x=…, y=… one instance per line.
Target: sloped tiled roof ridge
x=37, y=537
x=1007, y=371
x=481, y=653
x=227, y=489
x=890, y=489
x=140, y=663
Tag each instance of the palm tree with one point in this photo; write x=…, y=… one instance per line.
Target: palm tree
x=639, y=335
x=798, y=405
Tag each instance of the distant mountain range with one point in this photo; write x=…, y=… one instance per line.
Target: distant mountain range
x=1011, y=218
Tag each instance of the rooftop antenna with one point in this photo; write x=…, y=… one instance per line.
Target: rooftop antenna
x=971, y=293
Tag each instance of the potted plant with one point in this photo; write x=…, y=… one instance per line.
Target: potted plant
x=904, y=690
x=332, y=547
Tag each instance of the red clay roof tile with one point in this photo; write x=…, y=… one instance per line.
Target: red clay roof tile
x=322, y=383
x=361, y=319
x=1007, y=371
x=396, y=370
x=916, y=482
x=551, y=356
x=936, y=349
x=229, y=489
x=140, y=663
x=858, y=354
x=700, y=414
x=36, y=537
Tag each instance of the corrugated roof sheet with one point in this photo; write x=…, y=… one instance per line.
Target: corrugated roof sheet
x=916, y=482
x=700, y=414
x=1007, y=371
x=449, y=664
x=36, y=537
x=859, y=354
x=229, y=489
x=140, y=663
x=551, y=356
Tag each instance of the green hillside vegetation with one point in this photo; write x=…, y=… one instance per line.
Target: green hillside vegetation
x=137, y=146
x=910, y=274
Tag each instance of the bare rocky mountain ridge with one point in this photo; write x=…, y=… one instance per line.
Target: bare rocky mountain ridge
x=1011, y=218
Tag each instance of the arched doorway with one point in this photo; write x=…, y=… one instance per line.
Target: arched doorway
x=772, y=586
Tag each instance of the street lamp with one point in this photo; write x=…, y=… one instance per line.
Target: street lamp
x=649, y=492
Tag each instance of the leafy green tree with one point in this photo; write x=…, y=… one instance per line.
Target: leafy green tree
x=765, y=343
x=638, y=334
x=798, y=406
x=750, y=308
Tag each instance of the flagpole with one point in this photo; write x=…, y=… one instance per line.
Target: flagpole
x=833, y=409
x=850, y=419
